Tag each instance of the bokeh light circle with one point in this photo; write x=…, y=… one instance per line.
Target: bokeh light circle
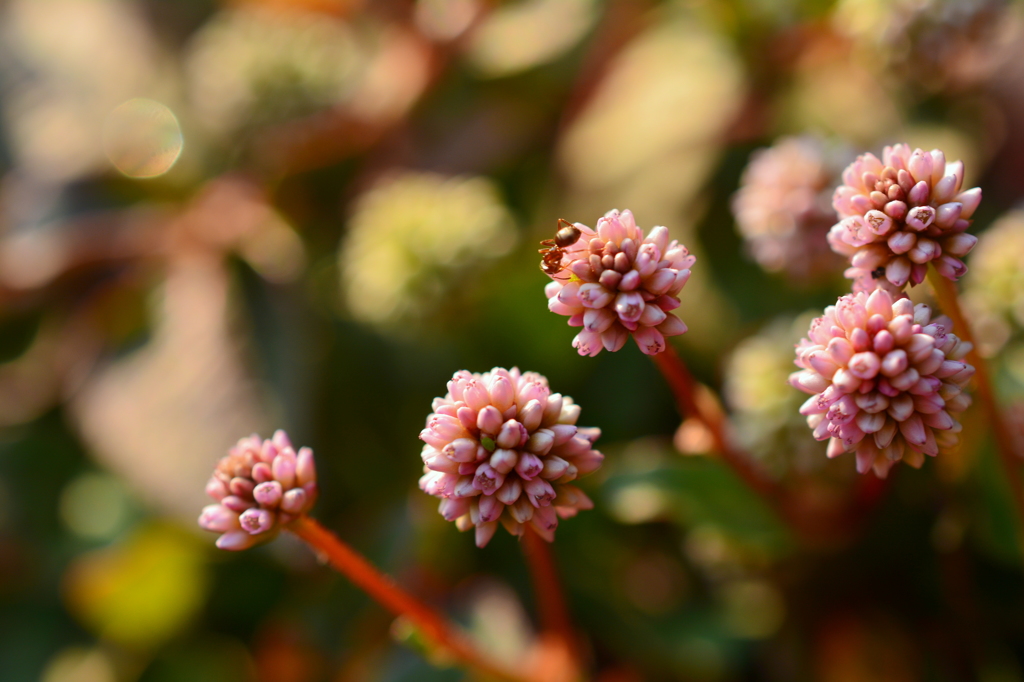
x=142, y=138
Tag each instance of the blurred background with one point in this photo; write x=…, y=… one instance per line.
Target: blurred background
x=225, y=217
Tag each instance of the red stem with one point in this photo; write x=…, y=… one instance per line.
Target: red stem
x=551, y=604
x=949, y=300
x=813, y=525
x=691, y=404
x=383, y=589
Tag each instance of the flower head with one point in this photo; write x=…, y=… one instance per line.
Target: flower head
x=901, y=213
x=885, y=380
x=615, y=282
x=254, y=65
x=415, y=240
x=260, y=486
x=782, y=208
x=934, y=44
x=501, y=447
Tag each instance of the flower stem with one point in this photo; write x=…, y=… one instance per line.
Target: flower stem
x=551, y=604
x=383, y=589
x=691, y=403
x=949, y=300
x=699, y=407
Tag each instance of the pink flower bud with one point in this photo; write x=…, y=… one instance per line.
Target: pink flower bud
x=236, y=540
x=218, y=519
x=294, y=501
x=255, y=521
x=503, y=461
x=539, y=491
x=268, y=494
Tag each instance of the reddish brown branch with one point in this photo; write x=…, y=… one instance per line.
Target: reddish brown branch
x=698, y=405
x=692, y=404
x=551, y=604
x=384, y=590
x=949, y=300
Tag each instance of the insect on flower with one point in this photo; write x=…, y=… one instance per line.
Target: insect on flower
x=567, y=235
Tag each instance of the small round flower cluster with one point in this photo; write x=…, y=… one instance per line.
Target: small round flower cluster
x=621, y=283
x=501, y=447
x=260, y=486
x=901, y=213
x=938, y=44
x=255, y=65
x=885, y=380
x=763, y=405
x=782, y=207
x=413, y=241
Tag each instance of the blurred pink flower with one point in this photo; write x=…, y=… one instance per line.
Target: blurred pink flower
x=901, y=213
x=501, y=447
x=885, y=380
x=260, y=486
x=615, y=282
x=782, y=207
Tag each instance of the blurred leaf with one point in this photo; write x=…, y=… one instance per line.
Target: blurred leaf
x=702, y=491
x=141, y=591
x=160, y=416
x=995, y=523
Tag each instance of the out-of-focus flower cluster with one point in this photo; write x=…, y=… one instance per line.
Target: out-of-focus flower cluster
x=994, y=288
x=899, y=214
x=782, y=207
x=885, y=380
x=260, y=486
x=615, y=282
x=764, y=407
x=502, y=448
x=250, y=66
x=410, y=240
x=936, y=43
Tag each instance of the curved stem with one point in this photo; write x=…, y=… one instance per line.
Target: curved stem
x=690, y=404
x=946, y=293
x=808, y=524
x=383, y=589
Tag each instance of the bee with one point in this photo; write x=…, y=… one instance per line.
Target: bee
x=551, y=261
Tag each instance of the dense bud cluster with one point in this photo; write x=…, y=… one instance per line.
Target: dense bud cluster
x=900, y=213
x=782, y=207
x=885, y=380
x=260, y=486
x=615, y=282
x=502, y=448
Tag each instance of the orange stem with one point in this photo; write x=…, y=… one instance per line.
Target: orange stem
x=383, y=589
x=946, y=293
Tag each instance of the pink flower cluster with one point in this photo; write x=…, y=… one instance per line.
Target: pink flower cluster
x=621, y=283
x=901, y=213
x=501, y=447
x=260, y=486
x=885, y=380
